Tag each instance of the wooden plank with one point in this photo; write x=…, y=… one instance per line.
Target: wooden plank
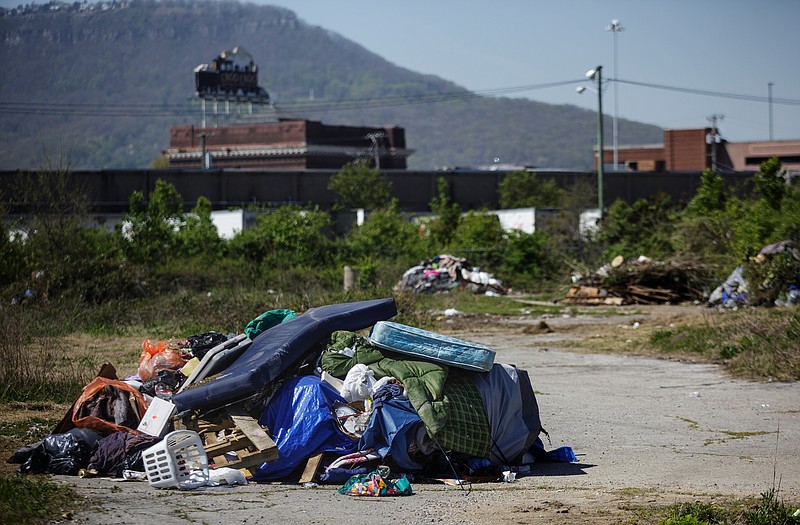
x=312, y=466
x=254, y=432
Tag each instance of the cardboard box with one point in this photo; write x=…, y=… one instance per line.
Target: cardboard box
x=156, y=420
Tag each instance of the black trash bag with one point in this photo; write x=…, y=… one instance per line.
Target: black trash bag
x=200, y=344
x=164, y=384
x=65, y=453
x=22, y=454
x=34, y=460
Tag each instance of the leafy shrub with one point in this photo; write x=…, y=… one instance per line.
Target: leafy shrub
x=447, y=213
x=285, y=237
x=149, y=231
x=527, y=260
x=770, y=182
x=386, y=234
x=480, y=238
x=523, y=189
x=198, y=236
x=710, y=196
x=357, y=185
x=643, y=228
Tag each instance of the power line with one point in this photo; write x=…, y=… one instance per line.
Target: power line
x=189, y=109
x=719, y=94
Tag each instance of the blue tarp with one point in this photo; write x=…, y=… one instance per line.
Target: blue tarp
x=391, y=429
x=302, y=425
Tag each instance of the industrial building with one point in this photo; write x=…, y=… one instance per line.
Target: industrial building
x=699, y=149
x=285, y=144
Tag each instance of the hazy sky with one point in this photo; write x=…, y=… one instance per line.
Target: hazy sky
x=723, y=46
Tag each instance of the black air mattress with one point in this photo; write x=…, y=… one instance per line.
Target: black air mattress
x=279, y=349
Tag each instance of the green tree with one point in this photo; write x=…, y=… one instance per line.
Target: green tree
x=444, y=225
x=710, y=196
x=770, y=182
x=386, y=233
x=61, y=255
x=527, y=260
x=357, y=185
x=150, y=229
x=198, y=236
x=523, y=189
x=285, y=237
x=481, y=237
x=644, y=228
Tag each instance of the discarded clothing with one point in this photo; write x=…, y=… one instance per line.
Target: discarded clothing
x=108, y=406
x=467, y=429
x=119, y=452
x=376, y=484
x=267, y=320
x=445, y=272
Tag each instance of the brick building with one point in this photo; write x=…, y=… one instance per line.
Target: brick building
x=286, y=145
x=696, y=150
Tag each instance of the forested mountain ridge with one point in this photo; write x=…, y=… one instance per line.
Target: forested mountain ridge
x=104, y=86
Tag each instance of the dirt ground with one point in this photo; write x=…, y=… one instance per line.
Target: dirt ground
x=648, y=432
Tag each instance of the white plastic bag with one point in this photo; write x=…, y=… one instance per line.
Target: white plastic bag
x=358, y=384
x=226, y=475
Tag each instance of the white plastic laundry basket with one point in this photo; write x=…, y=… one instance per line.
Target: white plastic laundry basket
x=178, y=461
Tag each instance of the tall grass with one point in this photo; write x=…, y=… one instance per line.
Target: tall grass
x=768, y=510
x=34, y=365
x=752, y=343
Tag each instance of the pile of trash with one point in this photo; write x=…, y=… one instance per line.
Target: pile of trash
x=445, y=272
x=776, y=270
x=640, y=280
x=304, y=399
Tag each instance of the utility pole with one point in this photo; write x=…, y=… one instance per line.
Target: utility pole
x=376, y=150
x=713, y=139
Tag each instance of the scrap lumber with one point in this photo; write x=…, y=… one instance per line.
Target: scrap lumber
x=590, y=295
x=236, y=432
x=311, y=471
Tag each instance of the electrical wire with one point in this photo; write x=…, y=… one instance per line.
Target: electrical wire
x=719, y=94
x=190, y=109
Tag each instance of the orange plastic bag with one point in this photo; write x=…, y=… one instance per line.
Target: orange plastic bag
x=109, y=405
x=157, y=357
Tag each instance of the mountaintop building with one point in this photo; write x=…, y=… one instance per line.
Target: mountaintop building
x=287, y=144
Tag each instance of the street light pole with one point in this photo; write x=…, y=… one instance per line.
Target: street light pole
x=596, y=75
x=598, y=72
x=615, y=28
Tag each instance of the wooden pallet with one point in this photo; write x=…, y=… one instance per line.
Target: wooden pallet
x=238, y=432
